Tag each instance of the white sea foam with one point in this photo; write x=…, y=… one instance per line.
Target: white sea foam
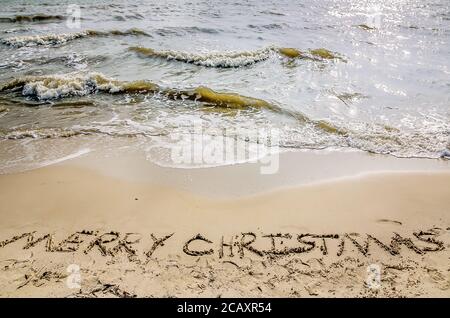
x=56, y=39
x=58, y=86
x=46, y=39
x=213, y=59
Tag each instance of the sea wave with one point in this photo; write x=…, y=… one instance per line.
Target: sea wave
x=31, y=18
x=310, y=133
x=225, y=59
x=57, y=39
x=230, y=59
x=41, y=133
x=56, y=87
x=52, y=87
x=54, y=133
x=59, y=86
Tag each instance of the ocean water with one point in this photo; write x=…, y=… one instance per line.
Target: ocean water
x=319, y=74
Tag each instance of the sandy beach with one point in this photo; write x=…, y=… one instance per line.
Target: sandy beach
x=123, y=227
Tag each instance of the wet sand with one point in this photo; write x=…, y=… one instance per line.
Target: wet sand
x=92, y=227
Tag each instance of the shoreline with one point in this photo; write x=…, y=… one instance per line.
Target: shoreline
x=293, y=168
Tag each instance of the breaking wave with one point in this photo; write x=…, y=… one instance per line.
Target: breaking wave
x=308, y=133
x=50, y=87
x=60, y=86
x=235, y=59
x=226, y=59
x=31, y=18
x=56, y=39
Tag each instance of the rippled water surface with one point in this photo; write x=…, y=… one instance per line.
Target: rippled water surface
x=368, y=75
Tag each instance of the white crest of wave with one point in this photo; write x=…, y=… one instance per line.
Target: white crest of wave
x=58, y=86
x=46, y=39
x=218, y=59
x=55, y=39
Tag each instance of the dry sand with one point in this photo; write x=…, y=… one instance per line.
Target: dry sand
x=148, y=238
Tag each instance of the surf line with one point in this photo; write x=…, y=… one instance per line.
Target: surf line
x=50, y=87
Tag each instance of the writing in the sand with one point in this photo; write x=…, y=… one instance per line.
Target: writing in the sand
x=113, y=243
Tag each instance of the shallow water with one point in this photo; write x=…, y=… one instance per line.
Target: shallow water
x=367, y=75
